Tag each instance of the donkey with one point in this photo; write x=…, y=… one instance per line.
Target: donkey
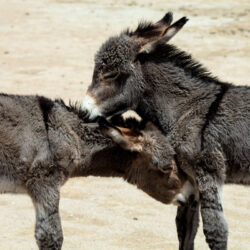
x=206, y=120
x=45, y=142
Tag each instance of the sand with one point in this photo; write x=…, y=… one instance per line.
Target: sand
x=47, y=48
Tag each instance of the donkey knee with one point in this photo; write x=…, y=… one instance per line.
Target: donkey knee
x=48, y=236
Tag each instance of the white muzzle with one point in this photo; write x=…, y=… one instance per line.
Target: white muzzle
x=89, y=104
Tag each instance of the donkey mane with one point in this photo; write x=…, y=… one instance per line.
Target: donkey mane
x=181, y=59
x=206, y=120
x=75, y=108
x=144, y=29
x=169, y=52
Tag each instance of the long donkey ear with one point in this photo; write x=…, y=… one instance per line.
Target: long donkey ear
x=127, y=138
x=149, y=31
x=160, y=32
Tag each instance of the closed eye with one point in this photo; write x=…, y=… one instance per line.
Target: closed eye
x=111, y=75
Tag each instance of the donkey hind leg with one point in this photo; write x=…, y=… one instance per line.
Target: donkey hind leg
x=48, y=231
x=187, y=223
x=210, y=177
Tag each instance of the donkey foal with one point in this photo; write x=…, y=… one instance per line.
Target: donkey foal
x=206, y=120
x=44, y=142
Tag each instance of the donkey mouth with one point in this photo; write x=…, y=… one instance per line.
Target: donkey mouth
x=89, y=104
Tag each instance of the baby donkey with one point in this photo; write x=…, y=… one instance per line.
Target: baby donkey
x=45, y=142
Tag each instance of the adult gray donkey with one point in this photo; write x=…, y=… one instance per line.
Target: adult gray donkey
x=206, y=120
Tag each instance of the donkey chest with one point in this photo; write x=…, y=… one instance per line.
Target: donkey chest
x=10, y=186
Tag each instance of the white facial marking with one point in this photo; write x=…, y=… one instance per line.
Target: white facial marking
x=89, y=104
x=184, y=194
x=179, y=198
x=131, y=114
x=187, y=189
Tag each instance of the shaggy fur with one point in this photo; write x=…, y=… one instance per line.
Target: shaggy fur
x=45, y=142
x=206, y=120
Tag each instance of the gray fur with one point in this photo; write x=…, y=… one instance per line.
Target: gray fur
x=45, y=142
x=206, y=120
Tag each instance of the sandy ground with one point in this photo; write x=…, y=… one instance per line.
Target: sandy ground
x=47, y=48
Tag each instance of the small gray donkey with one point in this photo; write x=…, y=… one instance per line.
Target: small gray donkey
x=44, y=142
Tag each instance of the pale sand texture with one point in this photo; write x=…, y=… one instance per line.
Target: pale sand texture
x=47, y=48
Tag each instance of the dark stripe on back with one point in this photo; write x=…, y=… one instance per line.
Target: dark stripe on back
x=213, y=109
x=45, y=105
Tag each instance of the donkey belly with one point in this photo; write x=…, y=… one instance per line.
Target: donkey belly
x=8, y=185
x=238, y=176
x=238, y=165
x=233, y=122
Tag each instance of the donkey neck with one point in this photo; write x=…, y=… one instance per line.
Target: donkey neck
x=97, y=154
x=106, y=162
x=177, y=87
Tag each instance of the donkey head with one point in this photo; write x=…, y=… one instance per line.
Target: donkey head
x=153, y=153
x=150, y=144
x=118, y=83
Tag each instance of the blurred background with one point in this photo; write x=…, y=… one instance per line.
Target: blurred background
x=47, y=47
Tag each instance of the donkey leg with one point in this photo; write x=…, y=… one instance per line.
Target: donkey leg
x=48, y=231
x=210, y=174
x=214, y=223
x=187, y=223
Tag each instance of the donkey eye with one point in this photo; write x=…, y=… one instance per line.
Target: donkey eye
x=111, y=75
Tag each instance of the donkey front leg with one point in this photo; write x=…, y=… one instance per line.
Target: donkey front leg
x=187, y=223
x=210, y=177
x=214, y=223
x=48, y=231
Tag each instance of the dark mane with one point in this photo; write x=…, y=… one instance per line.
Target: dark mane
x=144, y=29
x=168, y=52
x=75, y=108
x=181, y=59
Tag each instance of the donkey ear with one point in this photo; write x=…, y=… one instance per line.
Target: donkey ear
x=113, y=132
x=133, y=139
x=148, y=44
x=127, y=138
x=150, y=31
